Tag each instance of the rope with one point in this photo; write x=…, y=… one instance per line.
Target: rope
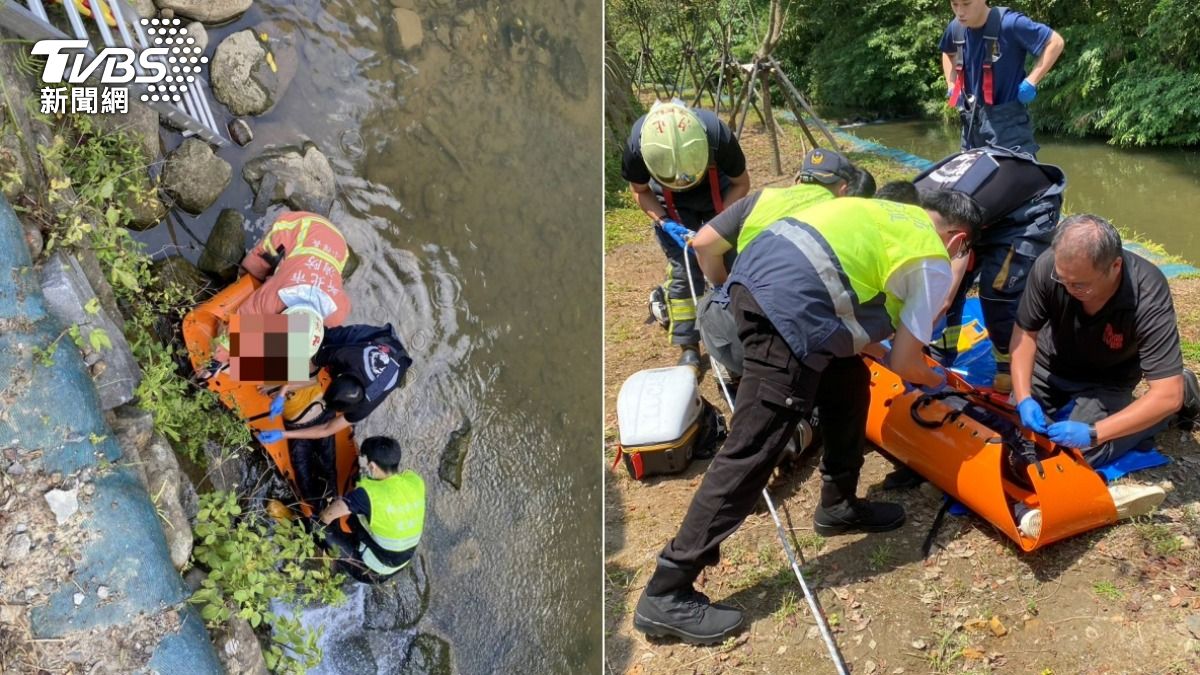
x=813, y=603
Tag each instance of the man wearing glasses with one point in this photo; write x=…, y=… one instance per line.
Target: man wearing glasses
x=1094, y=320
x=684, y=167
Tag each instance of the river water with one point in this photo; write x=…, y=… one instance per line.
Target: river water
x=1154, y=192
x=469, y=181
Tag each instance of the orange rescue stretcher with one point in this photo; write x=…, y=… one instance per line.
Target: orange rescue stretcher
x=200, y=326
x=965, y=458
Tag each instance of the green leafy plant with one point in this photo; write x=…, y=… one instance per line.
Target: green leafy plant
x=251, y=562
x=1107, y=590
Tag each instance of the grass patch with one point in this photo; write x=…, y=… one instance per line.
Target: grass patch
x=1157, y=535
x=1191, y=351
x=881, y=556
x=624, y=226
x=789, y=606
x=946, y=651
x=1106, y=590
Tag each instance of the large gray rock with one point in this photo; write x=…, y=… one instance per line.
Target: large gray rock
x=114, y=371
x=238, y=648
x=131, y=425
x=196, y=31
x=427, y=655
x=242, y=77
x=194, y=176
x=144, y=8
x=166, y=485
x=225, y=246
x=208, y=11
x=300, y=177
x=177, y=270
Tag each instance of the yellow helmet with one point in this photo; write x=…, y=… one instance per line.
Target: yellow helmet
x=674, y=145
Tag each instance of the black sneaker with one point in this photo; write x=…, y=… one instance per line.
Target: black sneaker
x=687, y=615
x=903, y=478
x=857, y=515
x=1189, y=414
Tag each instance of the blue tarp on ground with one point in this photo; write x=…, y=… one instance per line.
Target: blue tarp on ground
x=54, y=408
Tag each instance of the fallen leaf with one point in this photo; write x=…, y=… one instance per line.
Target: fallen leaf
x=870, y=667
x=997, y=627
x=1034, y=625
x=781, y=650
x=872, y=644
x=1175, y=601
x=919, y=644
x=972, y=653
x=975, y=625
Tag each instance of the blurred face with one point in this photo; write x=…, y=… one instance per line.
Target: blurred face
x=1083, y=281
x=972, y=13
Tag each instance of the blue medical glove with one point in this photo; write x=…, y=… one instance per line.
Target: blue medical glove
x=677, y=232
x=270, y=436
x=1026, y=92
x=277, y=406
x=1032, y=417
x=1071, y=434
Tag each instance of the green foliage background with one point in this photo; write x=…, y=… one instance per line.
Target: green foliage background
x=1130, y=72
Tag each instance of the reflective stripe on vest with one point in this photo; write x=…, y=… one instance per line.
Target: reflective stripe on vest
x=397, y=513
x=830, y=273
x=304, y=223
x=776, y=203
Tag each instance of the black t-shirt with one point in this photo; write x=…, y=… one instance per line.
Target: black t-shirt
x=373, y=354
x=1134, y=335
x=729, y=223
x=723, y=146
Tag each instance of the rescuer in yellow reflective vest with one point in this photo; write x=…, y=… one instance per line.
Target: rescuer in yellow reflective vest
x=387, y=511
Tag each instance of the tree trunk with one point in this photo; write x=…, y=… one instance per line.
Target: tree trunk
x=620, y=104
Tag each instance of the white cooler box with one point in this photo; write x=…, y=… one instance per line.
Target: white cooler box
x=659, y=416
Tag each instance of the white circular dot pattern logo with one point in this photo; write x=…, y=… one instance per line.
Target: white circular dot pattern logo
x=184, y=60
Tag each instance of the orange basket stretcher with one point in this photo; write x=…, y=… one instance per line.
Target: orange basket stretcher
x=964, y=458
x=200, y=326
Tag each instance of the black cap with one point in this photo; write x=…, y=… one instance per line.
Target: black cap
x=826, y=167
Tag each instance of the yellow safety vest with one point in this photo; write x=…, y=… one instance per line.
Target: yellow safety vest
x=397, y=516
x=776, y=203
x=873, y=238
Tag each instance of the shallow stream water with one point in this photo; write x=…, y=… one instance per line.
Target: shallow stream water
x=469, y=180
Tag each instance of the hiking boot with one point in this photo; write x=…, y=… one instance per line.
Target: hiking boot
x=1136, y=500
x=687, y=615
x=903, y=478
x=857, y=515
x=690, y=356
x=1189, y=414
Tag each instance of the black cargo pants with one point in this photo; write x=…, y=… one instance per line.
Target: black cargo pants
x=776, y=392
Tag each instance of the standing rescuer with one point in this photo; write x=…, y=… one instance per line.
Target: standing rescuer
x=809, y=297
x=983, y=58
x=684, y=167
x=388, y=514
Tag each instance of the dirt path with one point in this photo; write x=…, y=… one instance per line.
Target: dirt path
x=1125, y=599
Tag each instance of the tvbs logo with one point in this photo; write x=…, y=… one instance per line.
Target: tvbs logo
x=168, y=67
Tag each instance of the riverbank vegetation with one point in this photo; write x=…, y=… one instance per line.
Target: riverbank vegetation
x=1130, y=72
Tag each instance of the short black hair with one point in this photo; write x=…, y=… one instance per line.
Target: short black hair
x=900, y=191
x=1089, y=234
x=958, y=208
x=862, y=184
x=344, y=391
x=384, y=451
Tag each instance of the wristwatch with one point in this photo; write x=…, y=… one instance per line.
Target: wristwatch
x=1095, y=439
